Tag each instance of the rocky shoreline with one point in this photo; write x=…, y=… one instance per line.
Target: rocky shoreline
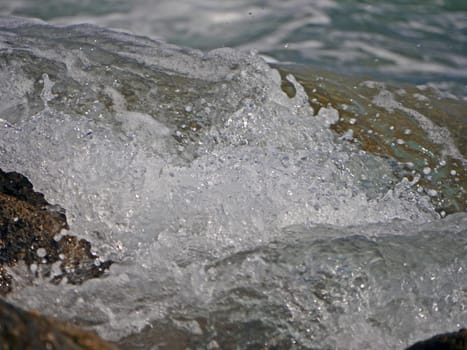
x=22, y=330
x=447, y=341
x=34, y=232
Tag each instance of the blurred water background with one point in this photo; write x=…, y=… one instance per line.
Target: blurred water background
x=418, y=41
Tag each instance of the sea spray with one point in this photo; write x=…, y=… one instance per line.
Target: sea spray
x=243, y=211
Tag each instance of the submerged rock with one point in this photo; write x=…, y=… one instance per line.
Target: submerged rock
x=22, y=330
x=447, y=341
x=30, y=231
x=419, y=129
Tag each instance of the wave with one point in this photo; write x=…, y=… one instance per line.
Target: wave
x=225, y=203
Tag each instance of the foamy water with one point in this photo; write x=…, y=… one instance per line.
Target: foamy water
x=236, y=218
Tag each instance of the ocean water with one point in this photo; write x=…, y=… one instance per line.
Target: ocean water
x=418, y=42
x=243, y=209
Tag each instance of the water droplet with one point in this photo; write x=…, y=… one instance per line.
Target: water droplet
x=41, y=252
x=426, y=170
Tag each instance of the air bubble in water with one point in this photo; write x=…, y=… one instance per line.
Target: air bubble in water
x=41, y=252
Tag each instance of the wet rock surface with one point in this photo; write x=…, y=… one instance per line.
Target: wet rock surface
x=447, y=341
x=31, y=231
x=22, y=330
x=396, y=123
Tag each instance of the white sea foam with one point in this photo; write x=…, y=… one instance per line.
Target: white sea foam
x=246, y=191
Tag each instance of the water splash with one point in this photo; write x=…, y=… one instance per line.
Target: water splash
x=243, y=212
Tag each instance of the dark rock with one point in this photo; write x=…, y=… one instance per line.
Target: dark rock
x=31, y=231
x=447, y=341
x=24, y=229
x=18, y=186
x=5, y=281
x=78, y=263
x=21, y=330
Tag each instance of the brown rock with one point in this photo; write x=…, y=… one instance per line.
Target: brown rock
x=447, y=341
x=78, y=263
x=21, y=330
x=24, y=229
x=18, y=186
x=5, y=281
x=29, y=231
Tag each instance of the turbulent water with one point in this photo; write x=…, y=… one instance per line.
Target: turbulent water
x=236, y=217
